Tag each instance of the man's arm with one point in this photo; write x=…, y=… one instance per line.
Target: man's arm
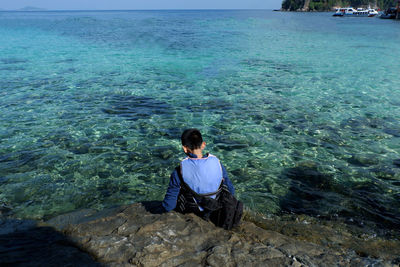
x=171, y=197
x=227, y=182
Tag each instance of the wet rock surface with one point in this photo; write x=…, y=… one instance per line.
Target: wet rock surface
x=136, y=235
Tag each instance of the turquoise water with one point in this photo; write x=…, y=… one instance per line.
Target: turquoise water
x=302, y=108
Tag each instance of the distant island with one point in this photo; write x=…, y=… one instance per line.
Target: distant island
x=31, y=8
x=328, y=5
x=27, y=8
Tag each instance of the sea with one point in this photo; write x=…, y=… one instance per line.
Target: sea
x=303, y=109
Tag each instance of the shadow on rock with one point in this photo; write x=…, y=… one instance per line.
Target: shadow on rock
x=24, y=243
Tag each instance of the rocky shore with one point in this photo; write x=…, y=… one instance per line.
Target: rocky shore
x=135, y=235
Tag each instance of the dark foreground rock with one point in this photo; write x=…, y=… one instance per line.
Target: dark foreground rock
x=25, y=243
x=135, y=236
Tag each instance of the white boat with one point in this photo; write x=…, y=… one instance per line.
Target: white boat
x=359, y=12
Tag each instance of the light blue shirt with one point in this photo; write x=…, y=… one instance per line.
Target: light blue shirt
x=202, y=175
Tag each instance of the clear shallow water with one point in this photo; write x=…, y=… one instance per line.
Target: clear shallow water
x=302, y=108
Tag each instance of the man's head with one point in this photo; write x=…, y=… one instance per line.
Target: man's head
x=192, y=140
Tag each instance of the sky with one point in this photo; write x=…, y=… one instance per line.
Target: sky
x=141, y=4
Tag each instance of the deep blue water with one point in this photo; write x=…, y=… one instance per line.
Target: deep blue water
x=303, y=109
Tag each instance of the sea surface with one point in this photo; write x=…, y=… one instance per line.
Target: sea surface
x=303, y=109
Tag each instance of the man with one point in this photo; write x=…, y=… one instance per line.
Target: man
x=202, y=173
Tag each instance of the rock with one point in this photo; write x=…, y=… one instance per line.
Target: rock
x=133, y=107
x=81, y=149
x=363, y=160
x=280, y=127
x=384, y=172
x=30, y=244
x=4, y=208
x=391, y=131
x=396, y=162
x=134, y=235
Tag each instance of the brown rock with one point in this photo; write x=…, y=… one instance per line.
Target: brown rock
x=133, y=236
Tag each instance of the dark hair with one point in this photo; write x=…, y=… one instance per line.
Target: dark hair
x=191, y=138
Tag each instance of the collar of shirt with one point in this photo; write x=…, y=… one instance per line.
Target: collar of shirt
x=195, y=156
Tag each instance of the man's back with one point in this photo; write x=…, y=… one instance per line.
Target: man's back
x=202, y=175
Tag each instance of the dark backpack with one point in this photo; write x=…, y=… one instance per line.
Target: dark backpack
x=230, y=213
x=224, y=211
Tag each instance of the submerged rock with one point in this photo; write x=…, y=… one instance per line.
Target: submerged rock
x=392, y=131
x=363, y=160
x=4, y=208
x=396, y=162
x=134, y=108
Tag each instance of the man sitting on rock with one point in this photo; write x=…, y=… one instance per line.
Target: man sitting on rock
x=203, y=174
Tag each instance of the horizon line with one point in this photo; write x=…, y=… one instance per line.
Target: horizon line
x=168, y=9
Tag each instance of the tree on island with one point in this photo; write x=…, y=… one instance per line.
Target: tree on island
x=327, y=5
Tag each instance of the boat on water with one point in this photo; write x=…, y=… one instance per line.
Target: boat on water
x=359, y=12
x=389, y=13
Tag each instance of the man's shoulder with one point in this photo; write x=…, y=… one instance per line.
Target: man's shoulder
x=212, y=156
